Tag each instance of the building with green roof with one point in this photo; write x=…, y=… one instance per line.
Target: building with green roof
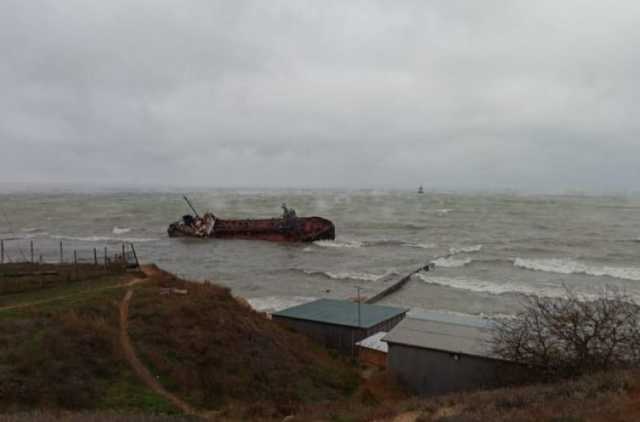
x=340, y=324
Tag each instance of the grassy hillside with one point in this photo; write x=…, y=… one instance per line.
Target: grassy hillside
x=60, y=349
x=62, y=358
x=218, y=353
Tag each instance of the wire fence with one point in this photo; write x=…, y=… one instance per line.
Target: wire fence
x=25, y=267
x=14, y=251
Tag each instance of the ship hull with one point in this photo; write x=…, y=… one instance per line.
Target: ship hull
x=299, y=229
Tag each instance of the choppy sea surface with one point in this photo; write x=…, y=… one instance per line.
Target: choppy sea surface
x=489, y=250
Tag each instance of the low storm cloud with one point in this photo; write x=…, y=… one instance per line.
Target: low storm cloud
x=532, y=96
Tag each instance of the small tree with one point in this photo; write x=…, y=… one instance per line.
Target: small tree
x=572, y=335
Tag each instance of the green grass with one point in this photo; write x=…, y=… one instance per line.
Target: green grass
x=63, y=351
x=25, y=277
x=65, y=296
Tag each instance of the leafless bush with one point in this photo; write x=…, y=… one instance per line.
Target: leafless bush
x=572, y=335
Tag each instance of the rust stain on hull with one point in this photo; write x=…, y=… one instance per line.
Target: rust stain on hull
x=297, y=229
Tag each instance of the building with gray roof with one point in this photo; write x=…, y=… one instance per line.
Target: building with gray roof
x=436, y=357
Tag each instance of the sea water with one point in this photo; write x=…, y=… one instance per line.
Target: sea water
x=489, y=250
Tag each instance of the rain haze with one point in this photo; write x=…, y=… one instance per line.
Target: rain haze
x=493, y=95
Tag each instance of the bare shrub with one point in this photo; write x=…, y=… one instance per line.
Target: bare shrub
x=572, y=335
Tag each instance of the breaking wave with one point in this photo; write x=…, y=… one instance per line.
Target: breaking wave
x=348, y=275
x=450, y=262
x=31, y=230
x=403, y=243
x=121, y=230
x=371, y=243
x=26, y=233
x=492, y=287
x=104, y=238
x=465, y=249
x=277, y=303
x=338, y=244
x=568, y=266
x=383, y=242
x=422, y=245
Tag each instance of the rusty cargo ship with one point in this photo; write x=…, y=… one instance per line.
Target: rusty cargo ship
x=287, y=228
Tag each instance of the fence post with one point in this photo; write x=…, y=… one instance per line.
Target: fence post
x=105, y=257
x=41, y=258
x=61, y=254
x=75, y=264
x=1, y=251
x=135, y=255
x=31, y=249
x=95, y=256
x=124, y=260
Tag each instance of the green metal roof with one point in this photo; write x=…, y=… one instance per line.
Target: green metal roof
x=341, y=312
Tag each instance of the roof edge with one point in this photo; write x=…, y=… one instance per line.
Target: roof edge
x=433, y=349
x=404, y=312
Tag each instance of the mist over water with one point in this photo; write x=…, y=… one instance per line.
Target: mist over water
x=488, y=249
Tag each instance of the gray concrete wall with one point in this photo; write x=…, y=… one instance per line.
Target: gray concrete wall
x=430, y=372
x=338, y=337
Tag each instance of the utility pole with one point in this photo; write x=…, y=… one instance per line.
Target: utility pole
x=359, y=315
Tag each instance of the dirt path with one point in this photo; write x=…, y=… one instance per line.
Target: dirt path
x=141, y=371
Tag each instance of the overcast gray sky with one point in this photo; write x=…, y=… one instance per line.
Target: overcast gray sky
x=485, y=95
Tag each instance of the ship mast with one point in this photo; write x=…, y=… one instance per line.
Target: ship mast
x=191, y=206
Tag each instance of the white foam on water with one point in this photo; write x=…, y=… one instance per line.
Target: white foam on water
x=569, y=266
x=491, y=287
x=29, y=233
x=104, y=238
x=384, y=242
x=443, y=211
x=353, y=276
x=422, y=245
x=451, y=262
x=277, y=303
x=465, y=249
x=31, y=229
x=344, y=243
x=494, y=288
x=347, y=275
x=338, y=244
x=121, y=230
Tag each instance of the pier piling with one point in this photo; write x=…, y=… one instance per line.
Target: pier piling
x=397, y=285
